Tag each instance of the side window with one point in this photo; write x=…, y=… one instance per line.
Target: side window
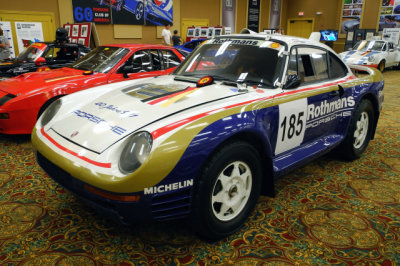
x=51, y=53
x=141, y=61
x=155, y=60
x=336, y=67
x=384, y=47
x=390, y=45
x=170, y=59
x=312, y=64
x=292, y=66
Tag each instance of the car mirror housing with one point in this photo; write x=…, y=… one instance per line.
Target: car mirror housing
x=125, y=70
x=292, y=81
x=40, y=61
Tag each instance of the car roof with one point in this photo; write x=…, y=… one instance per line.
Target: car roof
x=289, y=40
x=64, y=44
x=138, y=45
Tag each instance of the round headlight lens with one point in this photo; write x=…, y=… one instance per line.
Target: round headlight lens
x=135, y=152
x=50, y=112
x=371, y=58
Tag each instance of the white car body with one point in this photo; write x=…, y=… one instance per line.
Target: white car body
x=374, y=53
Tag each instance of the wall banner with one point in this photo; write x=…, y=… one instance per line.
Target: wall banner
x=228, y=14
x=97, y=11
x=128, y=12
x=351, y=15
x=158, y=12
x=253, y=15
x=390, y=14
x=28, y=33
x=7, y=31
x=275, y=14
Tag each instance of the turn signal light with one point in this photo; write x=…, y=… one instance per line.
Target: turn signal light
x=117, y=197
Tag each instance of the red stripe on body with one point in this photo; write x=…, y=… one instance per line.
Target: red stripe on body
x=105, y=165
x=161, y=131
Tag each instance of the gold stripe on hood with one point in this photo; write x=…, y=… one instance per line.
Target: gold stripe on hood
x=61, y=78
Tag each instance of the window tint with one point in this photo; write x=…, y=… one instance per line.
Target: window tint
x=170, y=59
x=336, y=67
x=155, y=59
x=312, y=64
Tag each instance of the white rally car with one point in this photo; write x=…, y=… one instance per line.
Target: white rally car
x=374, y=53
x=204, y=142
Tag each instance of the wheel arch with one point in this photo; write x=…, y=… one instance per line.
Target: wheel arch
x=372, y=98
x=262, y=145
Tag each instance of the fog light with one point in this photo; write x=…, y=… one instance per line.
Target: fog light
x=4, y=116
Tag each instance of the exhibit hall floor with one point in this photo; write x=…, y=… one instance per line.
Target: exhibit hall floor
x=329, y=211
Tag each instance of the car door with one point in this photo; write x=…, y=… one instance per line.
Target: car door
x=309, y=114
x=392, y=54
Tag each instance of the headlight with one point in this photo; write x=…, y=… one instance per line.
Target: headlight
x=371, y=58
x=135, y=152
x=50, y=112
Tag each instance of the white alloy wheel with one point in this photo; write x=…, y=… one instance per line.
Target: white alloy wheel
x=231, y=191
x=361, y=130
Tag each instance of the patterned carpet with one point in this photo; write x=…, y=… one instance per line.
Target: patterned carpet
x=329, y=211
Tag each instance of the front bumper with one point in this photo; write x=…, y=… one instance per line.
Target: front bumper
x=19, y=122
x=149, y=207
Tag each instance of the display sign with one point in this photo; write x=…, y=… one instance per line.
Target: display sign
x=351, y=15
x=229, y=13
x=92, y=11
x=391, y=35
x=390, y=14
x=79, y=33
x=158, y=12
x=253, y=15
x=275, y=14
x=7, y=31
x=28, y=33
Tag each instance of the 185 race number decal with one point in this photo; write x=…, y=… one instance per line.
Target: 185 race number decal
x=292, y=125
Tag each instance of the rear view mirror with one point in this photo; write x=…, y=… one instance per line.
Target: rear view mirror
x=292, y=81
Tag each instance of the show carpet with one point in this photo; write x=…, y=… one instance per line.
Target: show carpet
x=328, y=212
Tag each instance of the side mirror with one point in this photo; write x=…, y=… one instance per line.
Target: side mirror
x=125, y=70
x=40, y=61
x=292, y=81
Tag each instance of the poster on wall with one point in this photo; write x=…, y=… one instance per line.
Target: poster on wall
x=228, y=14
x=28, y=33
x=79, y=32
x=390, y=14
x=7, y=31
x=127, y=12
x=158, y=12
x=351, y=15
x=253, y=15
x=275, y=14
x=97, y=11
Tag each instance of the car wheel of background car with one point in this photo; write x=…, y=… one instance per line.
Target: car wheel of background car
x=359, y=132
x=46, y=104
x=226, y=191
x=381, y=66
x=139, y=11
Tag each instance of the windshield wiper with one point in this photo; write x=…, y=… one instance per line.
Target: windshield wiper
x=186, y=78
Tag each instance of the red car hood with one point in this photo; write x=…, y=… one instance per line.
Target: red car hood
x=29, y=82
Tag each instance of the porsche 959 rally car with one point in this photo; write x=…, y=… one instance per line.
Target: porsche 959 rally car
x=207, y=140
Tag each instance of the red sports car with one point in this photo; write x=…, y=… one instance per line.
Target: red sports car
x=25, y=97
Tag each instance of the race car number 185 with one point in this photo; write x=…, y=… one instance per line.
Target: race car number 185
x=292, y=125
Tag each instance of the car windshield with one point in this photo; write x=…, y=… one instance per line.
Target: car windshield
x=369, y=46
x=250, y=61
x=30, y=54
x=102, y=59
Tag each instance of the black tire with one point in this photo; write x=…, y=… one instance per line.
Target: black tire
x=139, y=11
x=381, y=66
x=352, y=147
x=207, y=218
